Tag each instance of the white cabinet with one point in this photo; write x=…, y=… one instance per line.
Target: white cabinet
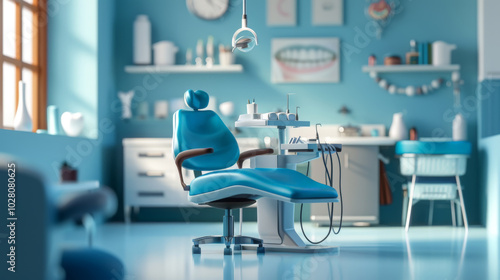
x=488, y=39
x=360, y=186
x=150, y=174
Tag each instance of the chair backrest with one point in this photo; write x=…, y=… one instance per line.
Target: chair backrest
x=203, y=129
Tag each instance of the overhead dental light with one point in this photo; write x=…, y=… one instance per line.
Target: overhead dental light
x=247, y=39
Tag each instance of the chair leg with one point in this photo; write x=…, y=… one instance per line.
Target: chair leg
x=405, y=206
x=410, y=202
x=460, y=221
x=431, y=212
x=462, y=205
x=453, y=218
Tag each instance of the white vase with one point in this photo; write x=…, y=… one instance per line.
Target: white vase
x=72, y=123
x=22, y=120
x=142, y=40
x=459, y=128
x=398, y=129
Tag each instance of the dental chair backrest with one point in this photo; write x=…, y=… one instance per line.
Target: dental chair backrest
x=203, y=129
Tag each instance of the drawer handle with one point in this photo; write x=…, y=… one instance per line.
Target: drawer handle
x=152, y=154
x=150, y=193
x=151, y=174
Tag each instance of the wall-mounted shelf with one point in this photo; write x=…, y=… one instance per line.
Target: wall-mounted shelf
x=410, y=68
x=182, y=69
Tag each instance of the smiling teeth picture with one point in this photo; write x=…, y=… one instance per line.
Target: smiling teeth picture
x=305, y=60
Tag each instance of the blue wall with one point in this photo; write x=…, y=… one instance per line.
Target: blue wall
x=72, y=59
x=423, y=20
x=489, y=151
x=76, y=82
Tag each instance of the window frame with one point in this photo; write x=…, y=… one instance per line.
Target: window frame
x=38, y=65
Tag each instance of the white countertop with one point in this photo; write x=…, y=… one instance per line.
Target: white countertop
x=329, y=133
x=150, y=142
x=361, y=141
x=76, y=187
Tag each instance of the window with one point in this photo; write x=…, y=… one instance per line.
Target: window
x=23, y=56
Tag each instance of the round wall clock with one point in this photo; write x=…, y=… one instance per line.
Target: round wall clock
x=208, y=9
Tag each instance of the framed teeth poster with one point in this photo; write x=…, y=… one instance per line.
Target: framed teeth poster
x=327, y=12
x=305, y=60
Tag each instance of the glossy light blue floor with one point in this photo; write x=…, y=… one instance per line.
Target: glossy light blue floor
x=163, y=251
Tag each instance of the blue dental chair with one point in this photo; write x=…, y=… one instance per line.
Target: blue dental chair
x=202, y=142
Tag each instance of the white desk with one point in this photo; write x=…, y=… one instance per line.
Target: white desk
x=71, y=187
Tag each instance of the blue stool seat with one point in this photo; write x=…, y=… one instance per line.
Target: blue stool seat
x=288, y=184
x=433, y=148
x=87, y=263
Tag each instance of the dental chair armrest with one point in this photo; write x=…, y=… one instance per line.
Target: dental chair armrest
x=253, y=153
x=182, y=156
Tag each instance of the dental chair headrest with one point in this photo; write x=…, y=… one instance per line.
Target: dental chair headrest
x=196, y=100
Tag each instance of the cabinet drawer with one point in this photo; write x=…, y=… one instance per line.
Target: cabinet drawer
x=145, y=159
x=153, y=197
x=136, y=181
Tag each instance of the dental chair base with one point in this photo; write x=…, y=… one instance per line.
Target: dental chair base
x=228, y=238
x=276, y=228
x=276, y=217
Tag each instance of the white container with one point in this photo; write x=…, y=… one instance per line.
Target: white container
x=164, y=53
x=441, y=53
x=398, y=129
x=142, y=40
x=252, y=108
x=227, y=108
x=226, y=58
x=22, y=120
x=459, y=128
x=161, y=109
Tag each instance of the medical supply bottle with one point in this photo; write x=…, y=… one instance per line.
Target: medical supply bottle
x=412, y=55
x=459, y=128
x=142, y=40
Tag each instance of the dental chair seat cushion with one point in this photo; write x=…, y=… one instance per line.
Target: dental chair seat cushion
x=433, y=148
x=279, y=181
x=86, y=264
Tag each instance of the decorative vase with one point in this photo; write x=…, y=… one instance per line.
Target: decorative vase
x=22, y=120
x=398, y=129
x=126, y=99
x=72, y=123
x=53, y=120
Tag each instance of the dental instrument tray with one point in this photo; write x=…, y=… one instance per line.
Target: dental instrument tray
x=307, y=147
x=278, y=123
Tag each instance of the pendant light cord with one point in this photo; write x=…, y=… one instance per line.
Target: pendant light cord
x=244, y=8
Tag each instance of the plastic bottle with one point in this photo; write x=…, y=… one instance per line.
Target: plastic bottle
x=459, y=128
x=412, y=55
x=142, y=40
